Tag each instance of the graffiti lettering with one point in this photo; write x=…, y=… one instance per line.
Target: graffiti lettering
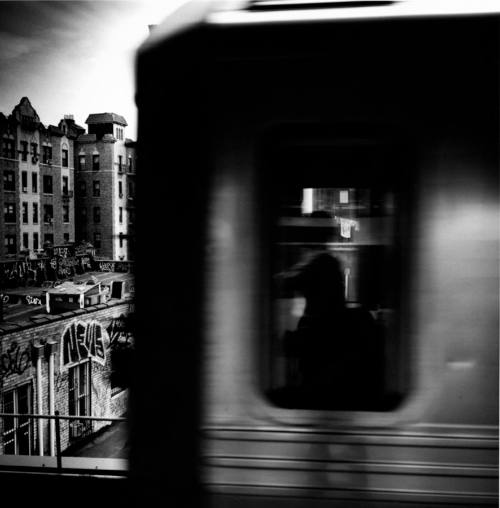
x=106, y=266
x=14, y=361
x=33, y=300
x=119, y=332
x=81, y=340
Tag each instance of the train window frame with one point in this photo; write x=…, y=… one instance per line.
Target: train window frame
x=269, y=148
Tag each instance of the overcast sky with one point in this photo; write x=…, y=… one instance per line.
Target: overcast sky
x=74, y=57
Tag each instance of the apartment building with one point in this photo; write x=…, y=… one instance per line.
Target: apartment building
x=37, y=182
x=105, y=184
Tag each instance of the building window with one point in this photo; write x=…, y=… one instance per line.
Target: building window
x=95, y=162
x=97, y=240
x=335, y=295
x=47, y=154
x=35, y=213
x=25, y=212
x=79, y=399
x=24, y=181
x=8, y=149
x=96, y=192
x=48, y=214
x=9, y=181
x=120, y=163
x=120, y=189
x=10, y=212
x=130, y=190
x=10, y=244
x=120, y=215
x=65, y=180
x=120, y=237
x=34, y=182
x=66, y=237
x=82, y=188
x=119, y=133
x=24, y=150
x=83, y=214
x=65, y=213
x=25, y=241
x=130, y=166
x=97, y=214
x=17, y=430
x=47, y=184
x=35, y=241
x=34, y=153
x=64, y=158
x=48, y=239
x=81, y=162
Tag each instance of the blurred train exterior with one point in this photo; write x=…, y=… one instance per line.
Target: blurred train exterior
x=227, y=97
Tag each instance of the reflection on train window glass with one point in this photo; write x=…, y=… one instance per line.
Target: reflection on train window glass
x=334, y=312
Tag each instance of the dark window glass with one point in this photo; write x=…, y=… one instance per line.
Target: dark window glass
x=25, y=241
x=24, y=150
x=24, y=181
x=66, y=237
x=81, y=162
x=82, y=188
x=47, y=184
x=35, y=213
x=8, y=148
x=64, y=158
x=48, y=214
x=65, y=185
x=9, y=181
x=25, y=212
x=96, y=189
x=47, y=154
x=95, y=162
x=334, y=342
x=10, y=212
x=65, y=213
x=97, y=240
x=34, y=182
x=10, y=244
x=97, y=214
x=120, y=189
x=35, y=241
x=17, y=431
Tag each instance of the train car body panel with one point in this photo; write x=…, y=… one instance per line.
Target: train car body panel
x=254, y=93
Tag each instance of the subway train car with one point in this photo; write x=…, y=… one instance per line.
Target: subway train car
x=322, y=178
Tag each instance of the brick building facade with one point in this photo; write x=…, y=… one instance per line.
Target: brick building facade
x=106, y=186
x=45, y=201
x=37, y=179
x=61, y=363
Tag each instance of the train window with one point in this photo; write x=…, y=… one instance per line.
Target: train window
x=336, y=262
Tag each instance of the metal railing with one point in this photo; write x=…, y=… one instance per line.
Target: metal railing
x=56, y=417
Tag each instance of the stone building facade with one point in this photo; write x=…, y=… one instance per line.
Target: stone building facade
x=60, y=185
x=37, y=182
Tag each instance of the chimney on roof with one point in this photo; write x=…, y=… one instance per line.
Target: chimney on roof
x=69, y=117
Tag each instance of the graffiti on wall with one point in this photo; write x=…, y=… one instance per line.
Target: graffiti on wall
x=15, y=360
x=119, y=332
x=81, y=340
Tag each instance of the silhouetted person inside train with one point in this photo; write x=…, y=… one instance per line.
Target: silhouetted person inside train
x=337, y=348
